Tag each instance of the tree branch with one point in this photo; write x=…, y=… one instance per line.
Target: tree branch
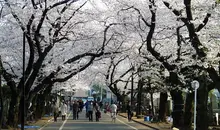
x=15, y=16
x=187, y=4
x=8, y=78
x=74, y=73
x=205, y=21
x=195, y=42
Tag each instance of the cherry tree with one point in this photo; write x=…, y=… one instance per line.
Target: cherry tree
x=176, y=33
x=61, y=43
x=200, y=34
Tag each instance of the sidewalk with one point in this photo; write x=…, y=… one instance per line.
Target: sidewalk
x=35, y=125
x=156, y=126
x=40, y=123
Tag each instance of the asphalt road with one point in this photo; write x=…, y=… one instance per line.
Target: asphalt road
x=83, y=123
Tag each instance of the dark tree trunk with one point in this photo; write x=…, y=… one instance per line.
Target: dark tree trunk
x=139, y=95
x=121, y=99
x=163, y=106
x=1, y=97
x=123, y=104
x=40, y=106
x=13, y=110
x=202, y=110
x=152, y=104
x=34, y=106
x=41, y=99
x=188, y=111
x=178, y=105
x=47, y=98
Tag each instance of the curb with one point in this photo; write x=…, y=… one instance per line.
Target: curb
x=139, y=122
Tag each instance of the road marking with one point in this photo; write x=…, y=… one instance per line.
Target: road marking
x=50, y=120
x=46, y=124
x=125, y=123
x=61, y=127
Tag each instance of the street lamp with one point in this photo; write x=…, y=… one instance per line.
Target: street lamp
x=132, y=89
x=195, y=86
x=22, y=106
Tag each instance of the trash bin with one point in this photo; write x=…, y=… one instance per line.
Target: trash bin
x=146, y=118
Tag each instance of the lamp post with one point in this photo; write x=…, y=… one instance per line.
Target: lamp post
x=22, y=106
x=195, y=86
x=132, y=90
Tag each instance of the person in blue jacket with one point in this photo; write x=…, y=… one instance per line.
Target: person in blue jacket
x=86, y=105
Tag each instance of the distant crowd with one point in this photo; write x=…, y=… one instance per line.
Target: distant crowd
x=91, y=108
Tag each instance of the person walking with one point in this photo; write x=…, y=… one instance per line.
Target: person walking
x=86, y=106
x=113, y=109
x=81, y=105
x=97, y=111
x=75, y=110
x=55, y=111
x=129, y=112
x=63, y=111
x=90, y=110
x=101, y=105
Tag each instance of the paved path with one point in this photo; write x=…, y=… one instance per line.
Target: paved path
x=105, y=123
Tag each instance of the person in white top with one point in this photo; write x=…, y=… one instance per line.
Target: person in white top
x=113, y=111
x=63, y=111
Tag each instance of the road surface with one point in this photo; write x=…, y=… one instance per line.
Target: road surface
x=83, y=123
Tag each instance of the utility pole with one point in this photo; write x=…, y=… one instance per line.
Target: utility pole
x=132, y=90
x=22, y=110
x=1, y=95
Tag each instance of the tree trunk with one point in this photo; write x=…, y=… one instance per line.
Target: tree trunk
x=13, y=110
x=178, y=105
x=163, y=106
x=152, y=104
x=202, y=97
x=34, y=106
x=121, y=99
x=2, y=105
x=123, y=108
x=188, y=111
x=41, y=100
x=1, y=97
x=139, y=95
x=40, y=106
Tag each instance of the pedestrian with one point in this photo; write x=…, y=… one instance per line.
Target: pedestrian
x=113, y=109
x=86, y=106
x=90, y=110
x=75, y=110
x=80, y=105
x=55, y=111
x=71, y=105
x=101, y=105
x=63, y=111
x=129, y=112
x=97, y=111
